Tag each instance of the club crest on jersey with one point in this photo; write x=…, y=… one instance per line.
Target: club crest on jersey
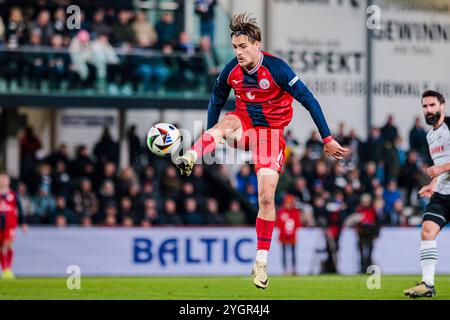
x=264, y=84
x=250, y=96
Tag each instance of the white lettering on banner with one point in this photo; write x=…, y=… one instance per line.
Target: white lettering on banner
x=209, y=250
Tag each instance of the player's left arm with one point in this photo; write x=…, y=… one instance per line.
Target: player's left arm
x=435, y=171
x=291, y=83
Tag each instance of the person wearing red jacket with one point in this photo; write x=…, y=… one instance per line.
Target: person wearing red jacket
x=367, y=230
x=288, y=222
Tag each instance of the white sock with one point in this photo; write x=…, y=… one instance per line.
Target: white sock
x=261, y=255
x=428, y=260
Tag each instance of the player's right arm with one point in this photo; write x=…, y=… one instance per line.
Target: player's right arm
x=428, y=190
x=220, y=94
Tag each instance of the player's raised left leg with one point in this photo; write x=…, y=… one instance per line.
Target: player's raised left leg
x=428, y=260
x=265, y=222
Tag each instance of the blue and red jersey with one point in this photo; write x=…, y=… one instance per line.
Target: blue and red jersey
x=10, y=210
x=265, y=93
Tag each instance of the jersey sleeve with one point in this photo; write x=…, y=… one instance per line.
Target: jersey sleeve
x=219, y=94
x=286, y=78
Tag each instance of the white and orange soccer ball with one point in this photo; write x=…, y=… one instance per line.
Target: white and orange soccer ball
x=163, y=139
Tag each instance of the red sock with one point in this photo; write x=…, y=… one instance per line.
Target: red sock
x=2, y=260
x=9, y=258
x=204, y=145
x=264, y=229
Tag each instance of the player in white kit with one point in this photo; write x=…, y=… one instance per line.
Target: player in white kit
x=437, y=212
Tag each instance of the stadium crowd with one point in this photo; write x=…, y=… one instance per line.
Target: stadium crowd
x=378, y=182
x=114, y=48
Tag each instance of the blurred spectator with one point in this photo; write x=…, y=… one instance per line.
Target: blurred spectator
x=16, y=28
x=288, y=222
x=389, y=131
x=58, y=63
x=43, y=24
x=106, y=150
x=85, y=201
x=418, y=139
x=144, y=30
x=26, y=202
x=200, y=181
x=110, y=216
x=134, y=147
x=244, y=177
x=82, y=165
x=127, y=214
x=368, y=176
x=251, y=193
x=107, y=197
x=36, y=61
x=104, y=58
x=335, y=215
x=99, y=25
x=212, y=214
x=187, y=191
x=152, y=70
x=211, y=64
x=166, y=30
x=314, y=143
x=192, y=215
x=367, y=230
x=44, y=205
x=170, y=216
x=409, y=175
x=61, y=181
x=60, y=155
x=170, y=182
x=373, y=148
x=300, y=190
x=42, y=178
x=150, y=216
x=59, y=22
x=398, y=217
x=205, y=10
x=390, y=195
x=355, y=146
x=62, y=215
x=391, y=160
x=291, y=141
x=29, y=144
x=123, y=30
x=340, y=135
x=80, y=50
x=134, y=193
x=235, y=216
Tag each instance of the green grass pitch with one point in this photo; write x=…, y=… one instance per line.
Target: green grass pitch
x=211, y=288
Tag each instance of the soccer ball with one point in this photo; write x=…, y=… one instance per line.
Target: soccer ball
x=163, y=139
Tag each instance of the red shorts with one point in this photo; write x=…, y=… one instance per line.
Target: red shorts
x=8, y=225
x=267, y=144
x=7, y=234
